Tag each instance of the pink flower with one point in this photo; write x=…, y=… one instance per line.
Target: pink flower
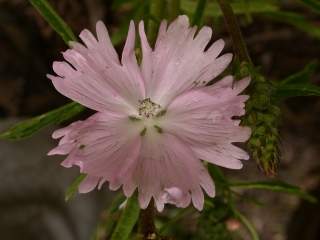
x=156, y=120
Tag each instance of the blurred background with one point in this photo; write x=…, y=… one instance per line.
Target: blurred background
x=32, y=185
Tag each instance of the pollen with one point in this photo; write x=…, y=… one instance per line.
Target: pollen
x=149, y=109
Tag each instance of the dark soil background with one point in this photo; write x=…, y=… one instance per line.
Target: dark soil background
x=31, y=186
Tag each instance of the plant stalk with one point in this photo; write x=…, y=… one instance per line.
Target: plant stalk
x=174, y=9
x=157, y=10
x=235, y=32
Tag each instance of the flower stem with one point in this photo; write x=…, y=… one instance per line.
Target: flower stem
x=235, y=32
x=147, y=228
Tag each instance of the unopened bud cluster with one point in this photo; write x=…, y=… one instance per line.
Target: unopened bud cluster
x=262, y=115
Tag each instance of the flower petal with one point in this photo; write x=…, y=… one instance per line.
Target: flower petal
x=165, y=153
x=146, y=64
x=88, y=184
x=129, y=61
x=179, y=61
x=105, y=147
x=204, y=118
x=93, y=76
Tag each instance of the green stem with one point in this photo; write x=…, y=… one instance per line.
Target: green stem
x=199, y=12
x=157, y=10
x=174, y=9
x=235, y=32
x=247, y=224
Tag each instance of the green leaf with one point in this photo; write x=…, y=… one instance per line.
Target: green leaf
x=302, y=76
x=296, y=20
x=251, y=229
x=276, y=186
x=181, y=213
x=216, y=173
x=128, y=220
x=55, y=21
x=73, y=188
x=28, y=127
x=313, y=4
x=173, y=9
x=212, y=221
x=108, y=222
x=212, y=8
x=136, y=10
x=199, y=12
x=298, y=84
x=296, y=90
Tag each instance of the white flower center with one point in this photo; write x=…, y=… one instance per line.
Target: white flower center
x=149, y=109
x=149, y=116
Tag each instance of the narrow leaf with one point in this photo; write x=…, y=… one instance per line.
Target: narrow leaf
x=109, y=220
x=156, y=11
x=212, y=8
x=217, y=175
x=296, y=20
x=55, y=21
x=298, y=84
x=276, y=186
x=253, y=232
x=312, y=4
x=127, y=221
x=302, y=76
x=136, y=10
x=199, y=12
x=173, y=9
x=73, y=188
x=28, y=127
x=297, y=90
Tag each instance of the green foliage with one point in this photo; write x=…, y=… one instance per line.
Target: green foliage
x=298, y=89
x=55, y=21
x=128, y=220
x=109, y=219
x=211, y=224
x=199, y=12
x=276, y=186
x=157, y=11
x=137, y=11
x=173, y=9
x=251, y=229
x=56, y=116
x=169, y=226
x=28, y=127
x=212, y=9
x=298, y=84
x=73, y=188
x=295, y=19
x=313, y=4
